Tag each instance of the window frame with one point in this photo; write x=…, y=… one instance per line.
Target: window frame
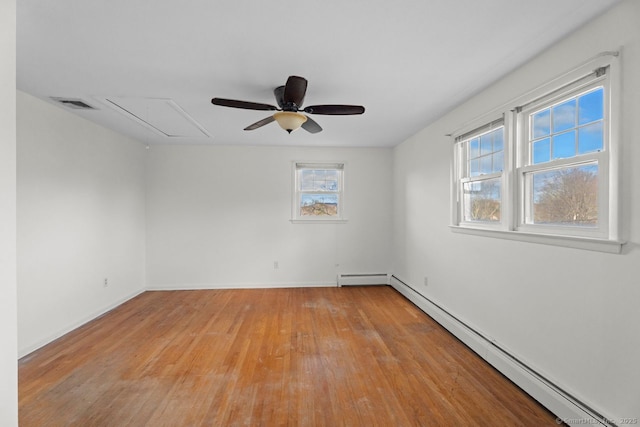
x=463, y=175
x=297, y=193
x=606, y=237
x=526, y=166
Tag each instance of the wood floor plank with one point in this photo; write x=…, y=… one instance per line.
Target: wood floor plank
x=352, y=356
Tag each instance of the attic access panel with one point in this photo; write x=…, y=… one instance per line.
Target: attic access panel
x=160, y=115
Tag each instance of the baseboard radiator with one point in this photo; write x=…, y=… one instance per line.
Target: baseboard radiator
x=363, y=279
x=566, y=407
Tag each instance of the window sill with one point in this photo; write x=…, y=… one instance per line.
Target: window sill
x=319, y=221
x=591, y=244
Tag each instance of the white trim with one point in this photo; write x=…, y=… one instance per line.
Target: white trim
x=319, y=221
x=345, y=279
x=567, y=408
x=615, y=135
x=576, y=242
x=241, y=285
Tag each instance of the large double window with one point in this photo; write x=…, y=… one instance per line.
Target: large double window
x=545, y=166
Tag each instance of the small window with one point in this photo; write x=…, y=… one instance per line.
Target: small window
x=318, y=194
x=480, y=181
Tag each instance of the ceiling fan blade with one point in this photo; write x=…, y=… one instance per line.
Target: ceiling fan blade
x=335, y=110
x=311, y=126
x=260, y=123
x=279, y=94
x=242, y=104
x=294, y=90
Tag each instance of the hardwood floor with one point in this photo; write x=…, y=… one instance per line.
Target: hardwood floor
x=351, y=356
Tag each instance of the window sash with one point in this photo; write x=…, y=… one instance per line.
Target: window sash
x=525, y=148
x=525, y=197
x=527, y=167
x=465, y=179
x=482, y=210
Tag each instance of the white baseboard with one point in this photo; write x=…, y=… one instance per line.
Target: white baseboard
x=262, y=285
x=567, y=408
x=22, y=352
x=363, y=279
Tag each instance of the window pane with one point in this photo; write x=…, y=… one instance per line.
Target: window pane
x=564, y=145
x=486, y=145
x=485, y=165
x=566, y=196
x=590, y=138
x=498, y=140
x=319, y=205
x=576, y=128
x=591, y=106
x=474, y=167
x=486, y=153
x=540, y=124
x=474, y=148
x=319, y=180
x=498, y=162
x=564, y=116
x=481, y=200
x=542, y=151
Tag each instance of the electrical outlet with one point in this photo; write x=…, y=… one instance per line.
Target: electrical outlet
x=106, y=282
x=275, y=265
x=426, y=281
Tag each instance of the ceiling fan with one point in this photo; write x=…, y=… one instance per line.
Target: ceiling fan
x=289, y=98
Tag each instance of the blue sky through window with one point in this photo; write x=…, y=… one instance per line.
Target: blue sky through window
x=564, y=145
x=486, y=153
x=570, y=128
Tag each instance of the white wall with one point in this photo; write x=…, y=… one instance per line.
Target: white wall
x=81, y=219
x=572, y=315
x=8, y=306
x=218, y=216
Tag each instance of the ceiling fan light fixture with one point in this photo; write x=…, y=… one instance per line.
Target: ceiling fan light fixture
x=289, y=120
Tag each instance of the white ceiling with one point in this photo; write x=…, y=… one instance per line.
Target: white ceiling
x=408, y=62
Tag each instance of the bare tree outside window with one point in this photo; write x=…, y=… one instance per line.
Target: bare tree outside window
x=566, y=196
x=482, y=200
x=319, y=205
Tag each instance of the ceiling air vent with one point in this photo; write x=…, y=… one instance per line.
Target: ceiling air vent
x=76, y=104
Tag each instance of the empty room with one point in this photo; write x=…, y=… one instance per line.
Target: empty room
x=320, y=213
